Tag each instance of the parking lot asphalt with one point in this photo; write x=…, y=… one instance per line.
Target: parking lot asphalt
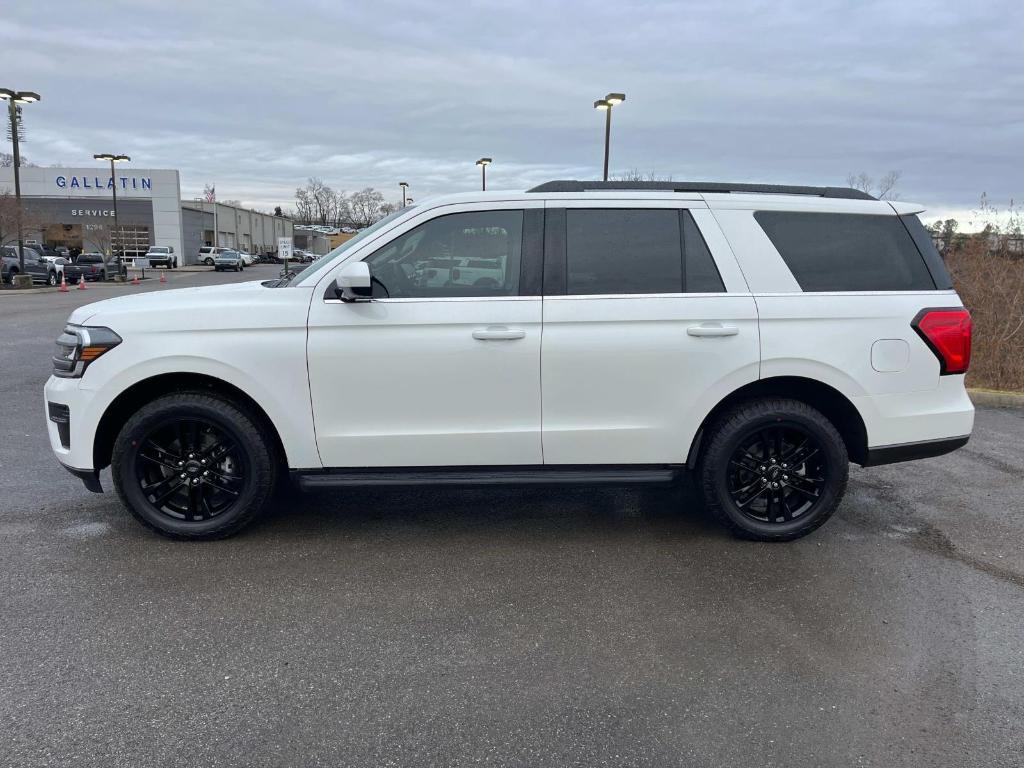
x=505, y=627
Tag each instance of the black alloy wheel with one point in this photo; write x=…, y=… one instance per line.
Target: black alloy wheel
x=776, y=474
x=773, y=469
x=193, y=465
x=190, y=469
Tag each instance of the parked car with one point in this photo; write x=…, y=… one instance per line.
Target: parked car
x=95, y=266
x=228, y=259
x=42, y=269
x=757, y=337
x=162, y=256
x=247, y=258
x=208, y=253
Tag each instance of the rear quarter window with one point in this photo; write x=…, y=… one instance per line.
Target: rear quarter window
x=847, y=252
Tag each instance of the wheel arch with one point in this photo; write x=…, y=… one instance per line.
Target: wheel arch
x=832, y=403
x=148, y=389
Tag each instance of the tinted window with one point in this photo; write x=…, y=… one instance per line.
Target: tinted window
x=932, y=259
x=623, y=251
x=701, y=273
x=462, y=254
x=847, y=252
x=610, y=251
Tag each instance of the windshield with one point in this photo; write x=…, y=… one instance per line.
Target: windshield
x=310, y=275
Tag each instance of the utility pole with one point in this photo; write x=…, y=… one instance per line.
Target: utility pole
x=13, y=98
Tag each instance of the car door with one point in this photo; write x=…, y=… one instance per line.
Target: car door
x=434, y=372
x=648, y=324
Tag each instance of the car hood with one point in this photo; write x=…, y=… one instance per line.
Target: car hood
x=248, y=304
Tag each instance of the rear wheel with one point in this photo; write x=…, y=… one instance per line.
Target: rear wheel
x=52, y=279
x=12, y=275
x=774, y=470
x=193, y=466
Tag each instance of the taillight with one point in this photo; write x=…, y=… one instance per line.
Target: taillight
x=948, y=333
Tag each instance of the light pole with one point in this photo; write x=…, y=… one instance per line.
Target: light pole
x=606, y=104
x=113, y=185
x=483, y=162
x=12, y=98
x=404, y=185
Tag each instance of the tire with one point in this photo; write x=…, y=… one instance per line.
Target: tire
x=11, y=275
x=749, y=486
x=52, y=279
x=236, y=454
x=208, y=261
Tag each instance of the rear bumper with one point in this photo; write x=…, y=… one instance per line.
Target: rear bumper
x=923, y=449
x=917, y=424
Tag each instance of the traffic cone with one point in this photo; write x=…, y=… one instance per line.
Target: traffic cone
x=163, y=277
x=135, y=280
x=81, y=284
x=63, y=284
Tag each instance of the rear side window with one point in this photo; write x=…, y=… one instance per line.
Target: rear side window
x=636, y=251
x=847, y=252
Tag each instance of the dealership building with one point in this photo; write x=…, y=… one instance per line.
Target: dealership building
x=74, y=207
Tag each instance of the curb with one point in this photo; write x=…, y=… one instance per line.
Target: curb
x=50, y=289
x=997, y=398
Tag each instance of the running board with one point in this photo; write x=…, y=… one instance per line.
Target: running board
x=308, y=480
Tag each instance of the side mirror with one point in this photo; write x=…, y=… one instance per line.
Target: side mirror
x=354, y=282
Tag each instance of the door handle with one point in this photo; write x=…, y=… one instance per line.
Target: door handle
x=712, y=329
x=498, y=333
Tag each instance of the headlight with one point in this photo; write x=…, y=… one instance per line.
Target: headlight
x=80, y=345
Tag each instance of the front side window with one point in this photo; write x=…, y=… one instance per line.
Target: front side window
x=473, y=254
x=847, y=251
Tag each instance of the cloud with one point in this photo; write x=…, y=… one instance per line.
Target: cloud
x=257, y=98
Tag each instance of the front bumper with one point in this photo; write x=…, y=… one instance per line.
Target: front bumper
x=72, y=434
x=90, y=478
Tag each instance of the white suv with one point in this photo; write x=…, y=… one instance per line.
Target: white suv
x=760, y=337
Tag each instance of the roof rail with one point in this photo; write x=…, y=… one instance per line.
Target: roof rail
x=700, y=186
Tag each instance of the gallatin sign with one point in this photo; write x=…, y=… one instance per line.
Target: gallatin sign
x=95, y=182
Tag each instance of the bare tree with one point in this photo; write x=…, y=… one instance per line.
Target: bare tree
x=30, y=222
x=317, y=203
x=7, y=161
x=884, y=188
x=634, y=174
x=366, y=207
x=99, y=238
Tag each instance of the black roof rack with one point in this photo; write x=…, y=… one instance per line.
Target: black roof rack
x=700, y=186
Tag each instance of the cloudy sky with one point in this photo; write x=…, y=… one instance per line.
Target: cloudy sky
x=257, y=97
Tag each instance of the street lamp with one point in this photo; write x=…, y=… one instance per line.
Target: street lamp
x=113, y=185
x=606, y=104
x=483, y=162
x=12, y=98
x=404, y=185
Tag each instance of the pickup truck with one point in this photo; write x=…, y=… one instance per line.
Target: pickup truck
x=42, y=269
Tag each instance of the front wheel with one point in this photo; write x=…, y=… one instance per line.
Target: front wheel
x=774, y=470
x=193, y=466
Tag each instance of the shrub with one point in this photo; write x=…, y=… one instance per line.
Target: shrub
x=991, y=285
